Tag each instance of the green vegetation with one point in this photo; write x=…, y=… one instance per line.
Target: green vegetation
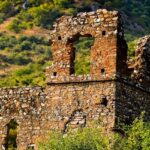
x=132, y=47
x=136, y=138
x=12, y=135
x=31, y=54
x=82, y=139
x=82, y=61
x=32, y=74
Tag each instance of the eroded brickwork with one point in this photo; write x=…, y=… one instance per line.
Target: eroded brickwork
x=105, y=27
x=94, y=100
x=26, y=106
x=141, y=63
x=131, y=100
x=112, y=91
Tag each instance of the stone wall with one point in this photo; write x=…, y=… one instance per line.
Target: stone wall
x=108, y=53
x=130, y=101
x=141, y=64
x=26, y=106
x=76, y=104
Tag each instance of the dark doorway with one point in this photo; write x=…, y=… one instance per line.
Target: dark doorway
x=11, y=140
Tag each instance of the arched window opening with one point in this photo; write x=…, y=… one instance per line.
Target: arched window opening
x=80, y=58
x=11, y=141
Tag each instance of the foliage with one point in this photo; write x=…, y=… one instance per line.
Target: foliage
x=6, y=7
x=136, y=138
x=82, y=139
x=2, y=17
x=32, y=54
x=12, y=134
x=32, y=74
x=82, y=61
x=131, y=48
x=42, y=15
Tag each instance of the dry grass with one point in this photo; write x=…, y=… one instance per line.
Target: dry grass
x=36, y=31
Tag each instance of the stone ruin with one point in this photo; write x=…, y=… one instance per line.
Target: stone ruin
x=113, y=91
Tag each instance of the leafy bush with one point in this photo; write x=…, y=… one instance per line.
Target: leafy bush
x=18, y=59
x=136, y=138
x=2, y=17
x=131, y=48
x=14, y=26
x=82, y=139
x=44, y=15
x=6, y=7
x=32, y=74
x=19, y=52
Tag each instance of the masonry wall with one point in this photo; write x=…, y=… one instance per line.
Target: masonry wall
x=76, y=104
x=131, y=100
x=108, y=53
x=26, y=105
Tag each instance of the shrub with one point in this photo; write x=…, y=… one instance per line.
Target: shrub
x=62, y=3
x=136, y=138
x=6, y=7
x=26, y=45
x=2, y=17
x=82, y=139
x=24, y=71
x=18, y=59
x=14, y=26
x=132, y=48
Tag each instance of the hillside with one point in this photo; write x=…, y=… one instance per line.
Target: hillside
x=25, y=25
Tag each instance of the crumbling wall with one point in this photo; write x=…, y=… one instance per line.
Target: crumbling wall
x=130, y=101
x=108, y=54
x=77, y=104
x=26, y=105
x=141, y=66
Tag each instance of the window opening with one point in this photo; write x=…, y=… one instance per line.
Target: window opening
x=102, y=71
x=103, y=33
x=104, y=101
x=80, y=59
x=54, y=73
x=59, y=37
